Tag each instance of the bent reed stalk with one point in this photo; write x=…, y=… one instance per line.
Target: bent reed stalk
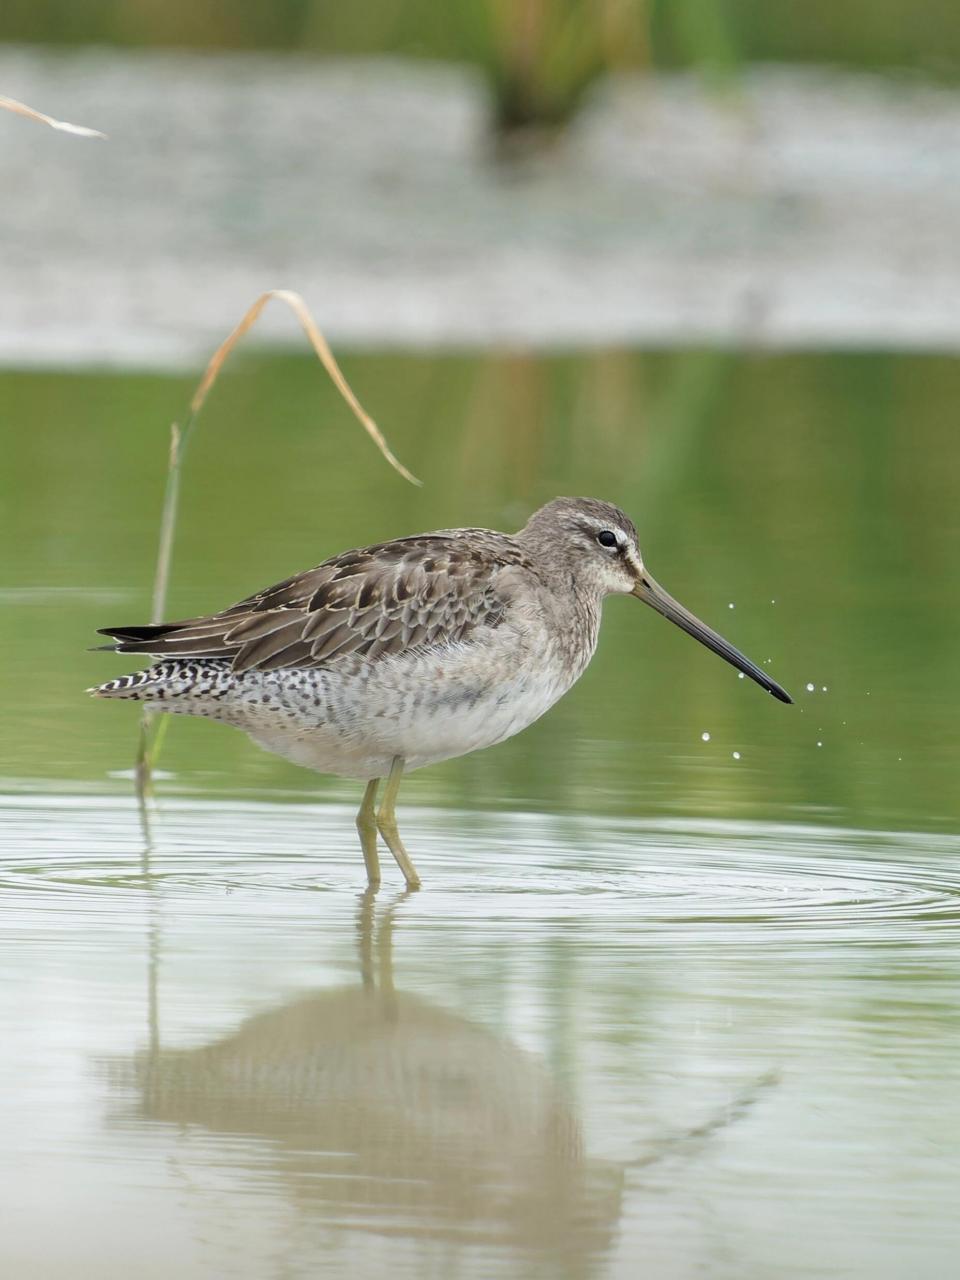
x=151, y=735
x=30, y=113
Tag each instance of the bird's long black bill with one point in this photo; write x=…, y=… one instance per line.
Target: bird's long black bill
x=651, y=593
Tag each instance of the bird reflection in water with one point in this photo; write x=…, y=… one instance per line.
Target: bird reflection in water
x=389, y=1114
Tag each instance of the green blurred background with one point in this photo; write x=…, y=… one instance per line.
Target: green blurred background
x=825, y=483
x=539, y=55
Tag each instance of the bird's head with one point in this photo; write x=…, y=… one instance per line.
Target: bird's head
x=598, y=542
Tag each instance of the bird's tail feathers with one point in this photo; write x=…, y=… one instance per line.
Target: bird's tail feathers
x=170, y=679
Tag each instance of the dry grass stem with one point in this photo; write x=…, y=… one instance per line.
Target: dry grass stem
x=21, y=109
x=150, y=737
x=319, y=344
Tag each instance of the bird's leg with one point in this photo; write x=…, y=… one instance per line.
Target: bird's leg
x=367, y=827
x=387, y=822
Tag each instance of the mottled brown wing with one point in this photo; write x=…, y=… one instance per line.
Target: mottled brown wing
x=370, y=603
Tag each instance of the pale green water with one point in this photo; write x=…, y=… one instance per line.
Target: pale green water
x=657, y=1011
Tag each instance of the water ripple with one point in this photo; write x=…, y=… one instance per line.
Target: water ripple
x=734, y=881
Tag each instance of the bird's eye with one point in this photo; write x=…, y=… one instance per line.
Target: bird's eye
x=607, y=538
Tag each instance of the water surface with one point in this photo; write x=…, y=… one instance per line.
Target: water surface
x=587, y=1043
x=659, y=1009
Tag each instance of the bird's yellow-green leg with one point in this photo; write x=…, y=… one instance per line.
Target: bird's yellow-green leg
x=387, y=822
x=367, y=827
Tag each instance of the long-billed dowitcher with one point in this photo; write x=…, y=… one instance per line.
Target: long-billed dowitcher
x=409, y=652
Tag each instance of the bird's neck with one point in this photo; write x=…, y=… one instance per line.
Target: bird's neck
x=577, y=608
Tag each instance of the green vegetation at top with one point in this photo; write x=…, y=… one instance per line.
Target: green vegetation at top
x=539, y=55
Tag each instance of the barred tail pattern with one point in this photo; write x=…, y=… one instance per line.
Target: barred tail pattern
x=183, y=678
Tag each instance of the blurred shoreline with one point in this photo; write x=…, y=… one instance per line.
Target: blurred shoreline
x=805, y=209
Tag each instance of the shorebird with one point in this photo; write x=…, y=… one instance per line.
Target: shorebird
x=402, y=654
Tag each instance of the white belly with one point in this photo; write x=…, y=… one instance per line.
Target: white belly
x=423, y=707
x=367, y=749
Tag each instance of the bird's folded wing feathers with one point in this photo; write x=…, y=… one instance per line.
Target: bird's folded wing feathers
x=373, y=603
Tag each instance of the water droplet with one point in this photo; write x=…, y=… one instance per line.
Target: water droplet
x=704, y=737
